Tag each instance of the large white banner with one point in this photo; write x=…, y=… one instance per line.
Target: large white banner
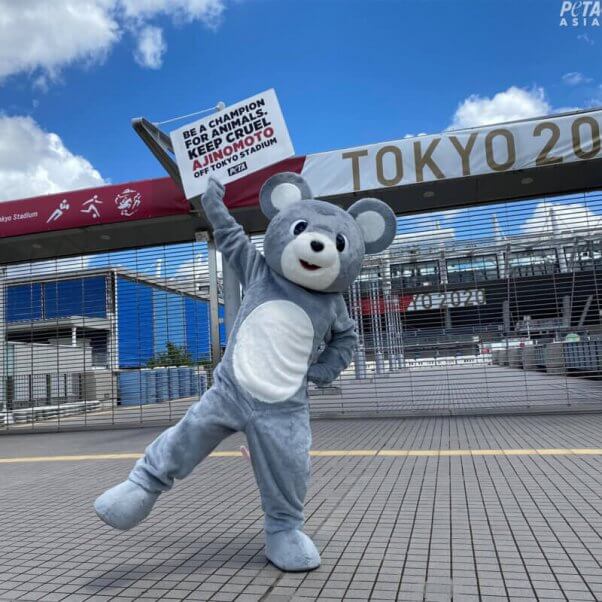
x=456, y=154
x=240, y=139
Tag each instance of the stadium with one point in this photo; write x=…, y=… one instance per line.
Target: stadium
x=487, y=300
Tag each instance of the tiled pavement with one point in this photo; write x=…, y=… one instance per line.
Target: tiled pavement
x=432, y=528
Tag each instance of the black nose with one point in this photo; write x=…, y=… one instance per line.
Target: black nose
x=316, y=245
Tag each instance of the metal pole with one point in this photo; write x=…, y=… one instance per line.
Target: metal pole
x=376, y=328
x=216, y=350
x=231, y=292
x=355, y=307
x=3, y=366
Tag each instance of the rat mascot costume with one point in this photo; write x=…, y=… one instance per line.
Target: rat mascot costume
x=292, y=304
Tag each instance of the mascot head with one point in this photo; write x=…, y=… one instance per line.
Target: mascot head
x=316, y=244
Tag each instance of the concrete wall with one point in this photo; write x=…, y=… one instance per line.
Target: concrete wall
x=39, y=358
x=529, y=362
x=515, y=357
x=555, y=359
x=99, y=385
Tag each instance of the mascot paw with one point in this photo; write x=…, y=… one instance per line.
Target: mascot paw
x=292, y=551
x=125, y=505
x=215, y=188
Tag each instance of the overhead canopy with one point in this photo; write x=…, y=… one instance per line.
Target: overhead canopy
x=535, y=157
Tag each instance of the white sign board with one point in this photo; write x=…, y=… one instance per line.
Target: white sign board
x=232, y=143
x=508, y=147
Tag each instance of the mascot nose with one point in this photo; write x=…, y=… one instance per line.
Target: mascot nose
x=316, y=245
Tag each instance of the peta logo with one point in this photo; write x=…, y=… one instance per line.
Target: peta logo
x=585, y=13
x=237, y=168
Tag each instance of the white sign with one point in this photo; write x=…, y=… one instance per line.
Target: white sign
x=423, y=301
x=232, y=143
x=499, y=148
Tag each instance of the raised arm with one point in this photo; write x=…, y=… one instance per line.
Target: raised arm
x=230, y=238
x=338, y=352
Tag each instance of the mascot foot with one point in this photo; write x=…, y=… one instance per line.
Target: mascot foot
x=292, y=551
x=125, y=505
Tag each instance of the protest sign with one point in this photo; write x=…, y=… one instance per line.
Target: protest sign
x=236, y=141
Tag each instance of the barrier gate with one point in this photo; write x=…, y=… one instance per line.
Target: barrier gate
x=492, y=307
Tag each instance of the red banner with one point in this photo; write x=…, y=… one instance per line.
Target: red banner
x=131, y=201
x=378, y=306
x=91, y=207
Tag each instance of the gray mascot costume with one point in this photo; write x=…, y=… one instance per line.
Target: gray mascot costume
x=292, y=304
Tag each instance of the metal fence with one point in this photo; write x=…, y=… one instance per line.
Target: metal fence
x=487, y=309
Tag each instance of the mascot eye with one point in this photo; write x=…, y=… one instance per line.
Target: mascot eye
x=298, y=227
x=341, y=243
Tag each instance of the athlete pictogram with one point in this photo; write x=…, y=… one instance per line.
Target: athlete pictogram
x=91, y=207
x=59, y=211
x=128, y=202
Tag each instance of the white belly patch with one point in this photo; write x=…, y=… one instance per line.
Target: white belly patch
x=272, y=350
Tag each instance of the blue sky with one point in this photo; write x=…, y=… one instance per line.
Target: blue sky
x=346, y=72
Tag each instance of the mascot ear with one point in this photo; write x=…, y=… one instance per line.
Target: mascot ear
x=377, y=223
x=281, y=191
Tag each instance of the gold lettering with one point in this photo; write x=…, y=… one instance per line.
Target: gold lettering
x=507, y=135
x=576, y=133
x=355, y=165
x=464, y=151
x=543, y=158
x=422, y=160
x=380, y=171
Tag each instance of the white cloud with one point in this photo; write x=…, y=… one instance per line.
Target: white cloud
x=429, y=233
x=51, y=266
x=34, y=162
x=209, y=12
x=194, y=273
x=150, y=48
x=43, y=37
x=574, y=78
x=569, y=217
x=585, y=38
x=50, y=35
x=509, y=105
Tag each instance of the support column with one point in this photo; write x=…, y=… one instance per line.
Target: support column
x=216, y=350
x=3, y=359
x=448, y=318
x=567, y=310
x=506, y=316
x=231, y=292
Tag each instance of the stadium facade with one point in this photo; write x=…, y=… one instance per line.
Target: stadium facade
x=68, y=335
x=435, y=295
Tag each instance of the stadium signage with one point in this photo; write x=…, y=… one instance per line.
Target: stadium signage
x=424, y=301
x=456, y=154
x=451, y=299
x=92, y=207
x=236, y=141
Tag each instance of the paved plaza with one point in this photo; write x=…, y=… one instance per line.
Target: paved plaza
x=434, y=391
x=420, y=509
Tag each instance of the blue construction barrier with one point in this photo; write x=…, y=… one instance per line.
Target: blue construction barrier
x=149, y=380
x=162, y=384
x=139, y=387
x=174, y=382
x=131, y=388
x=184, y=381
